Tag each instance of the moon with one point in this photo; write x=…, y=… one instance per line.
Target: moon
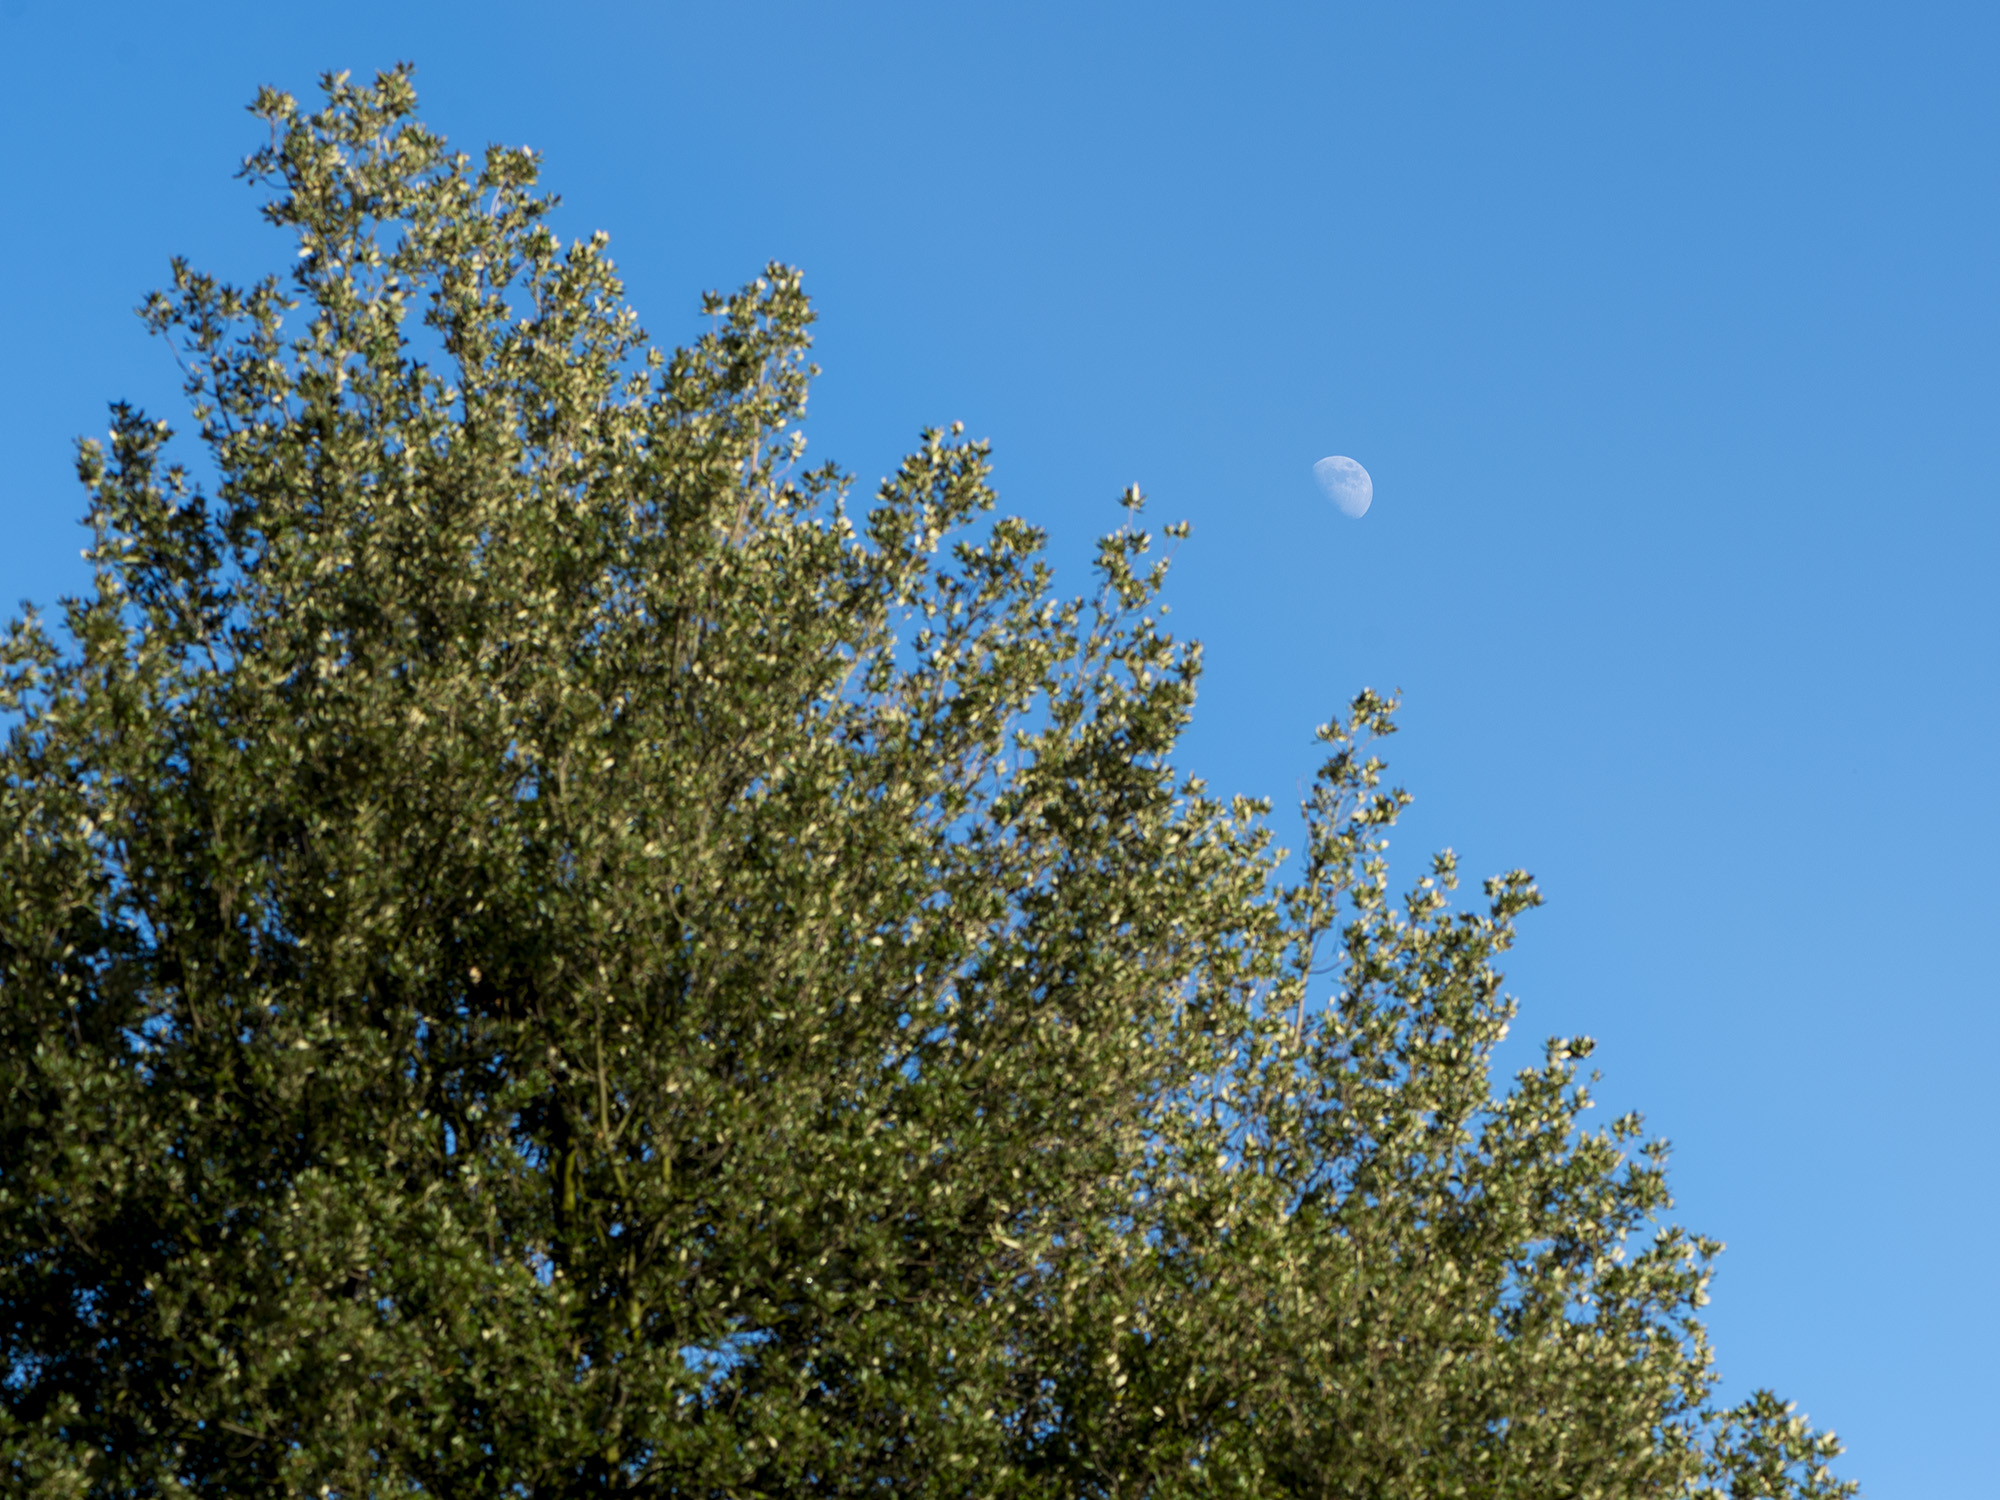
x=1346, y=484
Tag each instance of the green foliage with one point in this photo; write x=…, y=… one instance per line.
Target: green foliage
x=539, y=956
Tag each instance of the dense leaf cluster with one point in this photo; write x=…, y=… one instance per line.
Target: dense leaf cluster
x=539, y=955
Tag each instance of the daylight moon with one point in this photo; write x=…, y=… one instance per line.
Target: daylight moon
x=1346, y=484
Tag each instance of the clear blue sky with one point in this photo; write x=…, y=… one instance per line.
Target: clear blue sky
x=1668, y=333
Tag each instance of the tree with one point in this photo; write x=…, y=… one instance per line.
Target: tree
x=539, y=955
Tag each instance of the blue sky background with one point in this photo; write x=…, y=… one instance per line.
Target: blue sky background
x=1667, y=332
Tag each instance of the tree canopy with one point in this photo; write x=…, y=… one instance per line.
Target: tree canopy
x=541, y=953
